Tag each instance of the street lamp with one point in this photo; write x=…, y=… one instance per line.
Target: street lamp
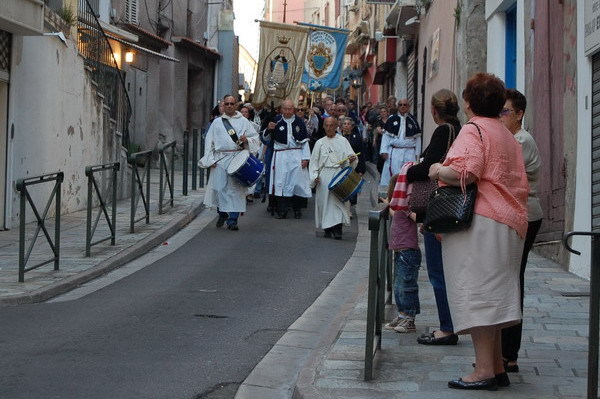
x=356, y=79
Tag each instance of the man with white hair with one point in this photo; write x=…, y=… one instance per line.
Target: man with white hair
x=288, y=181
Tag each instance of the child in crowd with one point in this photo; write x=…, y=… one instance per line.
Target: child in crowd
x=403, y=241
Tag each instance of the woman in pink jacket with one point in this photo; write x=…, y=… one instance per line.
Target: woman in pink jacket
x=481, y=264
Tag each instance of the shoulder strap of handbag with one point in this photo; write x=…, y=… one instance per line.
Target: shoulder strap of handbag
x=230, y=130
x=451, y=137
x=478, y=129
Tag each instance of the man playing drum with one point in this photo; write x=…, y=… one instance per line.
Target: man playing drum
x=331, y=154
x=288, y=180
x=227, y=136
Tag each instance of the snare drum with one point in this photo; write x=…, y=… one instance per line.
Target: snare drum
x=345, y=184
x=245, y=168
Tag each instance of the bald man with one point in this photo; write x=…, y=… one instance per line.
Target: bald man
x=288, y=181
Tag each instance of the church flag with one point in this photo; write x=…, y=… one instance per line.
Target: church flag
x=324, y=57
x=281, y=62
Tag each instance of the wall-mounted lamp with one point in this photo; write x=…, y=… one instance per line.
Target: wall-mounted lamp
x=411, y=21
x=379, y=36
x=129, y=57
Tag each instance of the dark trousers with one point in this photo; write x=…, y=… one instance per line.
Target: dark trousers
x=511, y=336
x=283, y=204
x=435, y=271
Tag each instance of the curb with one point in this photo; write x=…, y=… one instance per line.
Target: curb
x=127, y=255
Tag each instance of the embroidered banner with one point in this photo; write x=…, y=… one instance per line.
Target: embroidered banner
x=280, y=65
x=324, y=57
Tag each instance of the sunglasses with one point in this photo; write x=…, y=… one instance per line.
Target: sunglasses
x=403, y=105
x=229, y=103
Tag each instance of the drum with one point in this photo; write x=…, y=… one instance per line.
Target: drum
x=245, y=168
x=345, y=184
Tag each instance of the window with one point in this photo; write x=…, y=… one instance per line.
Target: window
x=510, y=61
x=131, y=12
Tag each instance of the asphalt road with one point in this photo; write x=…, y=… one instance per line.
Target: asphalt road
x=190, y=325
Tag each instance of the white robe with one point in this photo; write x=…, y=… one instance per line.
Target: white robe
x=324, y=164
x=400, y=149
x=223, y=191
x=288, y=177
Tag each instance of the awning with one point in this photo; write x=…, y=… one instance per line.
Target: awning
x=401, y=12
x=148, y=36
x=140, y=48
x=383, y=70
x=190, y=44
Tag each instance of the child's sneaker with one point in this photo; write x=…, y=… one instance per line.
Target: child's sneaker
x=394, y=323
x=406, y=325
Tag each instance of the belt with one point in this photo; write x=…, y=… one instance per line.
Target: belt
x=230, y=150
x=288, y=149
x=397, y=146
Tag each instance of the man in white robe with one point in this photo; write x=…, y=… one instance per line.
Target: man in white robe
x=288, y=180
x=330, y=155
x=223, y=191
x=400, y=141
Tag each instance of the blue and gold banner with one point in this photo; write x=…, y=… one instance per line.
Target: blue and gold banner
x=324, y=57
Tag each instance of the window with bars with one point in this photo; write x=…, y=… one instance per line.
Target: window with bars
x=5, y=41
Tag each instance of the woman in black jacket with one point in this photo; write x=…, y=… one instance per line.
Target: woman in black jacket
x=444, y=109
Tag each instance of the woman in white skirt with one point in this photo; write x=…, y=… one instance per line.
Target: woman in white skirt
x=481, y=264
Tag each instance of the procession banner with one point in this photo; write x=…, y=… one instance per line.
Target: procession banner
x=281, y=62
x=324, y=57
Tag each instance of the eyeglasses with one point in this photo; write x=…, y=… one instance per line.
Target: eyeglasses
x=229, y=103
x=403, y=105
x=506, y=111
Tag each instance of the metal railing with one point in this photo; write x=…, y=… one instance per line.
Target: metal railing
x=98, y=55
x=592, y=386
x=166, y=173
x=137, y=185
x=380, y=282
x=110, y=220
x=195, y=159
x=186, y=149
x=201, y=171
x=25, y=197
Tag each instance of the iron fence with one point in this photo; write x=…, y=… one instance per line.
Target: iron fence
x=110, y=220
x=380, y=279
x=25, y=197
x=93, y=44
x=167, y=170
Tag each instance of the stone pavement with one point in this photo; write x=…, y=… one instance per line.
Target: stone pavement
x=75, y=268
x=322, y=353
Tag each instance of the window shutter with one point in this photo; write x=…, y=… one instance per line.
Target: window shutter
x=131, y=11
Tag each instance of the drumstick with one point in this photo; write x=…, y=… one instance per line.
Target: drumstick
x=345, y=159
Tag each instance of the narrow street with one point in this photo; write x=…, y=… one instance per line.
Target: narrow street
x=190, y=325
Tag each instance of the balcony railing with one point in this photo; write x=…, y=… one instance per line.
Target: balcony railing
x=95, y=47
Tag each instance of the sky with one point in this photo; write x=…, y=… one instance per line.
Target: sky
x=246, y=11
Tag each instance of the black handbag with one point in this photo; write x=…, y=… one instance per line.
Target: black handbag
x=450, y=209
x=423, y=189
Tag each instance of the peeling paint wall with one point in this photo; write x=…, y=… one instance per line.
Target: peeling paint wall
x=58, y=121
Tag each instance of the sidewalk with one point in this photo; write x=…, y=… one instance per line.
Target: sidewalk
x=75, y=269
x=322, y=353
